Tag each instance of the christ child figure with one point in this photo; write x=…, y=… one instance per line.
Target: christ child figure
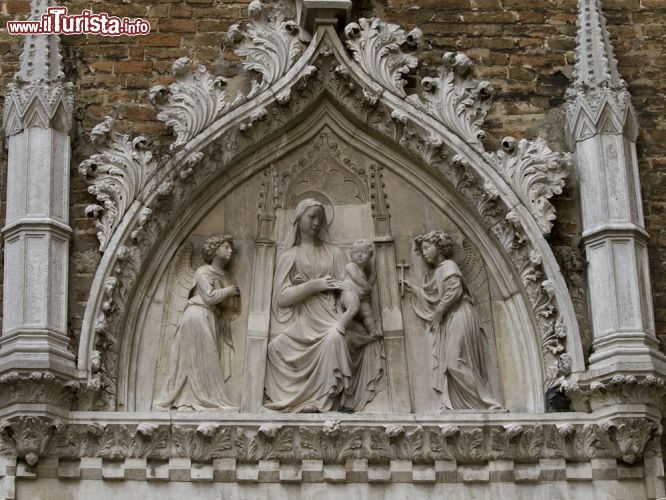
x=356, y=288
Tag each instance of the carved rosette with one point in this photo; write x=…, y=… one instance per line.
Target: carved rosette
x=117, y=173
x=535, y=172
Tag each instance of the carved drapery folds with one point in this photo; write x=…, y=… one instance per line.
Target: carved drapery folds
x=372, y=90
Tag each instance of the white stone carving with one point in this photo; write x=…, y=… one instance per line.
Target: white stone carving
x=598, y=97
x=30, y=436
x=39, y=95
x=376, y=46
x=269, y=44
x=624, y=439
x=535, y=172
x=117, y=173
x=192, y=102
x=460, y=362
x=620, y=389
x=36, y=387
x=315, y=73
x=196, y=344
x=602, y=132
x=456, y=98
x=38, y=104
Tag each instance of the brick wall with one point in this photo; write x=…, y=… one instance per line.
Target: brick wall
x=524, y=47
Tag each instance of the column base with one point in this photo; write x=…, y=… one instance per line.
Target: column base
x=627, y=353
x=36, y=351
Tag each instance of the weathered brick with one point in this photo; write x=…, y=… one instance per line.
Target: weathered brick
x=160, y=40
x=178, y=25
x=18, y=7
x=133, y=67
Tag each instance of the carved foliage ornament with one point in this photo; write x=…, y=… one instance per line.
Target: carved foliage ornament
x=456, y=98
x=376, y=46
x=618, y=390
x=36, y=387
x=192, y=102
x=535, y=172
x=269, y=44
x=117, y=173
x=508, y=229
x=332, y=442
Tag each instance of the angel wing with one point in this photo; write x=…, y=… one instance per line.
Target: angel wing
x=473, y=268
x=180, y=280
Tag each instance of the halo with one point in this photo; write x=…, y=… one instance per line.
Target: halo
x=321, y=198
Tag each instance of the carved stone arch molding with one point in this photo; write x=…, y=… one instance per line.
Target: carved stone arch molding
x=431, y=139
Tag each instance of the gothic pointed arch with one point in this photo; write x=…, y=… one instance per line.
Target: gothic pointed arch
x=223, y=141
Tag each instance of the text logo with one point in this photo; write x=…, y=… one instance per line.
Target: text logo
x=56, y=21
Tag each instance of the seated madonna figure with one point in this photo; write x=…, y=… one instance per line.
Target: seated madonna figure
x=312, y=367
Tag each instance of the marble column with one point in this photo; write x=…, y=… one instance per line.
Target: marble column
x=36, y=235
x=602, y=131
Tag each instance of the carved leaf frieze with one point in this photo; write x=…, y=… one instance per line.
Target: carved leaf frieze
x=619, y=390
x=535, y=172
x=116, y=174
x=377, y=47
x=626, y=439
x=455, y=443
x=456, y=98
x=36, y=387
x=192, y=102
x=518, y=442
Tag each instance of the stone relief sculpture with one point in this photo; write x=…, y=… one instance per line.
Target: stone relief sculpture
x=360, y=277
x=460, y=353
x=198, y=351
x=311, y=366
